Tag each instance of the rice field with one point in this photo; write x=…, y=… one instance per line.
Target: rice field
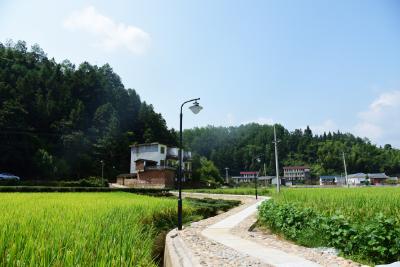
x=82, y=229
x=262, y=191
x=359, y=204
x=362, y=223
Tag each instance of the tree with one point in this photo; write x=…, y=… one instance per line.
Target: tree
x=207, y=173
x=58, y=121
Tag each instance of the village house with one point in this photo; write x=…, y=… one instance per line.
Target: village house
x=372, y=178
x=332, y=180
x=154, y=165
x=377, y=178
x=296, y=174
x=357, y=178
x=249, y=176
x=245, y=177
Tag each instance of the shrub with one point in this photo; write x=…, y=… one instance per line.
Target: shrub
x=376, y=240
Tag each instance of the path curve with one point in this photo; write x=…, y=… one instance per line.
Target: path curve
x=221, y=232
x=216, y=242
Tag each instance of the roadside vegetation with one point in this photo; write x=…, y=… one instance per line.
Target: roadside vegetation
x=262, y=191
x=363, y=223
x=90, y=229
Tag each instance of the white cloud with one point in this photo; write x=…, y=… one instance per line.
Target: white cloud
x=111, y=35
x=381, y=121
x=326, y=126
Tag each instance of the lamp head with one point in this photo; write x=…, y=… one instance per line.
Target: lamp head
x=196, y=108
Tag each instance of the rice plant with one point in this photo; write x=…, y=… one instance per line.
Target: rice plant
x=81, y=229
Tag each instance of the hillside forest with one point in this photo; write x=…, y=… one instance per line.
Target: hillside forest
x=236, y=148
x=59, y=121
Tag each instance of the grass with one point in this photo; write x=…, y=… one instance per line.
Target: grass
x=262, y=191
x=86, y=229
x=363, y=223
x=360, y=204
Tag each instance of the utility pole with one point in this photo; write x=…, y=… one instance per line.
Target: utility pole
x=345, y=170
x=226, y=175
x=265, y=166
x=276, y=162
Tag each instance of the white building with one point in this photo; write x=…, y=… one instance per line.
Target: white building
x=162, y=155
x=245, y=177
x=293, y=174
x=357, y=178
x=332, y=180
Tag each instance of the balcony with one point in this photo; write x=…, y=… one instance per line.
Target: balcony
x=173, y=153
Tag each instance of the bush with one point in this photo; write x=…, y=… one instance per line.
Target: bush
x=32, y=189
x=376, y=241
x=87, y=182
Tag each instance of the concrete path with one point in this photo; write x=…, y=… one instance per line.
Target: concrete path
x=221, y=232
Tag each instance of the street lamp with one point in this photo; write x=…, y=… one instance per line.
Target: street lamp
x=255, y=177
x=195, y=108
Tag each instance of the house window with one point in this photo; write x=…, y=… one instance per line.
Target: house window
x=162, y=162
x=162, y=150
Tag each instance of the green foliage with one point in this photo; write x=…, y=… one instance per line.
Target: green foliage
x=75, y=188
x=362, y=223
x=234, y=147
x=208, y=207
x=206, y=172
x=58, y=120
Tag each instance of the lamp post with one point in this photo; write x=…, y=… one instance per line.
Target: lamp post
x=226, y=175
x=255, y=177
x=195, y=108
x=276, y=161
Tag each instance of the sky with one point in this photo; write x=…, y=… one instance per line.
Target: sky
x=332, y=65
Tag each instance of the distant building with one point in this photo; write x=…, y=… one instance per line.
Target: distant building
x=295, y=174
x=357, y=178
x=267, y=180
x=332, y=180
x=245, y=177
x=372, y=178
x=377, y=178
x=154, y=165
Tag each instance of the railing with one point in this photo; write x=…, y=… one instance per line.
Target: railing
x=159, y=168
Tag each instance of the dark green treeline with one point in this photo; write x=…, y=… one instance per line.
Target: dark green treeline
x=57, y=121
x=234, y=147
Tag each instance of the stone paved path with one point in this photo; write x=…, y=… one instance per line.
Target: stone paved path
x=221, y=232
x=225, y=240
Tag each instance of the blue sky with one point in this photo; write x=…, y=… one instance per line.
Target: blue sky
x=328, y=64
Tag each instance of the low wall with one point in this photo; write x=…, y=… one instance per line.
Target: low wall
x=176, y=254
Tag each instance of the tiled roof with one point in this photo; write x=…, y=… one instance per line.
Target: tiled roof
x=377, y=175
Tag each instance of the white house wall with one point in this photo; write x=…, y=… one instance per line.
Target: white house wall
x=155, y=156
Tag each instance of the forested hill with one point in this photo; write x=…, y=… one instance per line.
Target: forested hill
x=58, y=120
x=234, y=147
